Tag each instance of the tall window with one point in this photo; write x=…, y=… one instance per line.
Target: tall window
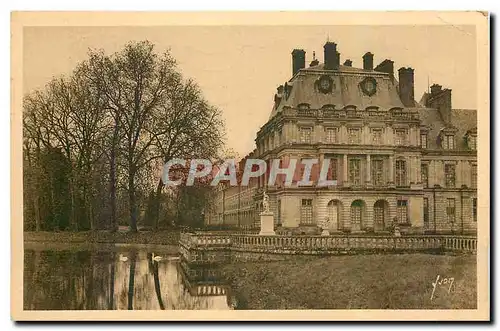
x=402, y=210
x=377, y=136
x=450, y=210
x=331, y=135
x=378, y=213
x=306, y=212
x=401, y=137
x=423, y=140
x=426, y=213
x=449, y=173
x=449, y=142
x=333, y=170
x=472, y=142
x=355, y=171
x=400, y=173
x=357, y=213
x=302, y=169
x=354, y=135
x=305, y=135
x=424, y=168
x=473, y=176
x=474, y=209
x=377, y=172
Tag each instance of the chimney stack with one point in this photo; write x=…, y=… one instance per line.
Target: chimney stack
x=332, y=57
x=435, y=89
x=298, y=60
x=441, y=100
x=368, y=61
x=348, y=63
x=406, y=87
x=386, y=66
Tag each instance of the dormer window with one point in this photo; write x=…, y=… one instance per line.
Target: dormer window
x=447, y=137
x=448, y=141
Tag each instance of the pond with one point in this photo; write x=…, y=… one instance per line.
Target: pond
x=118, y=278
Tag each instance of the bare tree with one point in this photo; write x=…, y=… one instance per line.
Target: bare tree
x=127, y=112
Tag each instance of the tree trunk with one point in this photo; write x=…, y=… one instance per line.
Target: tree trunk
x=112, y=179
x=73, y=224
x=37, y=211
x=132, y=203
x=157, y=205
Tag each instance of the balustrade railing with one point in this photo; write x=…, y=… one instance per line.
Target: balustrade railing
x=286, y=243
x=350, y=113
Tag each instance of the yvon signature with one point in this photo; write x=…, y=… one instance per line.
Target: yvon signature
x=442, y=282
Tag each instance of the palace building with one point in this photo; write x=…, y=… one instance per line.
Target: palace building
x=396, y=161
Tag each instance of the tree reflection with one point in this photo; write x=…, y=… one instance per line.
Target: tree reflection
x=97, y=280
x=111, y=304
x=132, y=257
x=153, y=269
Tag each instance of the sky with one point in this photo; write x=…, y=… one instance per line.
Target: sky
x=239, y=67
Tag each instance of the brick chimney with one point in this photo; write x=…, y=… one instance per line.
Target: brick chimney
x=368, y=61
x=348, y=63
x=332, y=57
x=386, y=66
x=298, y=60
x=435, y=89
x=406, y=87
x=441, y=100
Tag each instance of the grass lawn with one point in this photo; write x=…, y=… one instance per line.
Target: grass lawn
x=356, y=282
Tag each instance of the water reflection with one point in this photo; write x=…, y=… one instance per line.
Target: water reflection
x=119, y=279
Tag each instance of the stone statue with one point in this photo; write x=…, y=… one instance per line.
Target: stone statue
x=326, y=223
x=265, y=202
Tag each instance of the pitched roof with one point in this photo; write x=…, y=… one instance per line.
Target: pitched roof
x=461, y=119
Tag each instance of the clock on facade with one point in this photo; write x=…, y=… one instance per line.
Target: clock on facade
x=369, y=86
x=325, y=84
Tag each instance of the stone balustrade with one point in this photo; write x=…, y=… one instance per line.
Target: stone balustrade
x=351, y=113
x=199, y=247
x=460, y=244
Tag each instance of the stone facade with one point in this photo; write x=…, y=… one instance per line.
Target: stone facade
x=396, y=161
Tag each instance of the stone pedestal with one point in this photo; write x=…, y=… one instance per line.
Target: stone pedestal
x=267, y=224
x=325, y=232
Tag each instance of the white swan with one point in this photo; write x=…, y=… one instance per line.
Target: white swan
x=156, y=257
x=123, y=258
